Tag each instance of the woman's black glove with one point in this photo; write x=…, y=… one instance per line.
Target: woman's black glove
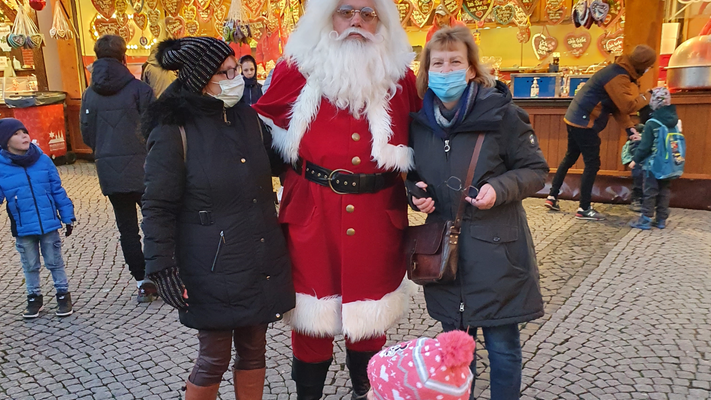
x=170, y=287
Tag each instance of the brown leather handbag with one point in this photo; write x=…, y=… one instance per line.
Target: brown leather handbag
x=432, y=249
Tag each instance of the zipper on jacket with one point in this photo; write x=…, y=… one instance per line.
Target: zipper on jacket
x=447, y=148
x=461, y=307
x=217, y=253
x=224, y=115
x=19, y=215
x=51, y=202
x=32, y=190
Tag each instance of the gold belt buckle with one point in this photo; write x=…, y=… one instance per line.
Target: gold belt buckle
x=330, y=179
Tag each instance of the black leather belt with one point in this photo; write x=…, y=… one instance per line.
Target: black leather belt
x=342, y=181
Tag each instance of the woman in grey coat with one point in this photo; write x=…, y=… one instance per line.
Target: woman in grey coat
x=497, y=283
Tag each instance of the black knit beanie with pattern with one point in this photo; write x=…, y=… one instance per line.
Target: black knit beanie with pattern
x=195, y=58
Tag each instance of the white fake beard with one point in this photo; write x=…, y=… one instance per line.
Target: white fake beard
x=353, y=73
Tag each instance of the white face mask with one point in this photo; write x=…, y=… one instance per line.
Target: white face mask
x=232, y=90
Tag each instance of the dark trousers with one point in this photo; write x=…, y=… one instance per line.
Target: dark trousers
x=656, y=197
x=127, y=222
x=586, y=142
x=503, y=343
x=215, y=353
x=637, y=182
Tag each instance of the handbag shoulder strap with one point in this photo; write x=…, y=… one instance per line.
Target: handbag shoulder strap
x=468, y=181
x=185, y=143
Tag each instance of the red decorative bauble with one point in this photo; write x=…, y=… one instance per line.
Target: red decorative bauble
x=38, y=4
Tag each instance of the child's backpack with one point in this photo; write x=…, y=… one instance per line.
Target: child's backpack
x=668, y=152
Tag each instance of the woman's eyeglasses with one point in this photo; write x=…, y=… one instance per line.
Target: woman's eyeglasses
x=230, y=73
x=455, y=184
x=367, y=14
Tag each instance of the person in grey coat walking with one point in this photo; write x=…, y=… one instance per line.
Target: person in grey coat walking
x=497, y=284
x=110, y=113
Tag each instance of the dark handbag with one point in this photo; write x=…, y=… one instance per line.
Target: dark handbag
x=432, y=248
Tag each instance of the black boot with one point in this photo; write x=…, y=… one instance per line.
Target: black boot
x=310, y=378
x=357, y=363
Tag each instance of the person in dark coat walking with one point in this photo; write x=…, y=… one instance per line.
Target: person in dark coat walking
x=213, y=244
x=252, y=88
x=497, y=284
x=611, y=91
x=110, y=113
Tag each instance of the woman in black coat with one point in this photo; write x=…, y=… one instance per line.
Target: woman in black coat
x=497, y=283
x=252, y=88
x=212, y=242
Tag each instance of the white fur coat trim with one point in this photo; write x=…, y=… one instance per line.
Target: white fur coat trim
x=303, y=112
x=357, y=320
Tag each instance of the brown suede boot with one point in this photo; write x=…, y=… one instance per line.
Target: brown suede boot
x=249, y=384
x=194, y=392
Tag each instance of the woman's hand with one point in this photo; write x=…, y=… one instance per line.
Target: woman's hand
x=485, y=199
x=425, y=205
x=631, y=164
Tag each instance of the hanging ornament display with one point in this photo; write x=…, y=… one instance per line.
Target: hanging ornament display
x=404, y=8
x=581, y=15
x=478, y=9
x=543, y=44
x=61, y=29
x=503, y=15
x=38, y=4
x=235, y=27
x=24, y=32
x=577, y=43
x=598, y=11
x=524, y=34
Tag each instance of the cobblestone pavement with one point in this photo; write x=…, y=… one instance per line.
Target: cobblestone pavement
x=627, y=316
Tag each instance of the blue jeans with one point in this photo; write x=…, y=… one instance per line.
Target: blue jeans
x=29, y=249
x=504, y=346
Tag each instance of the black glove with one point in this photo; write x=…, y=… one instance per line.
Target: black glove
x=170, y=287
x=70, y=229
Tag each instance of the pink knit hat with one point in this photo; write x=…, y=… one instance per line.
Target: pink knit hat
x=428, y=369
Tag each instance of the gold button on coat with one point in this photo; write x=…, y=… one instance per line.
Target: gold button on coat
x=244, y=160
x=350, y=208
x=355, y=137
x=350, y=232
x=356, y=160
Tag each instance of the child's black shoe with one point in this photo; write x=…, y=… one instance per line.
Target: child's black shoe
x=34, y=306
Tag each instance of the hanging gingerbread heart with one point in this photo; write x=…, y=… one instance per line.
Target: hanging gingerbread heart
x=154, y=17
x=504, y=14
x=189, y=13
x=155, y=30
x=478, y=9
x=528, y=6
x=404, y=8
x=555, y=16
x=205, y=15
x=202, y=4
x=425, y=6
x=220, y=13
x=555, y=4
x=452, y=6
x=175, y=27
x=192, y=27
x=126, y=32
x=140, y=20
x=137, y=6
x=152, y=4
x=106, y=26
x=581, y=14
x=418, y=18
x=599, y=11
x=577, y=43
x=172, y=7
x=105, y=7
x=524, y=34
x=122, y=19
x=121, y=6
x=520, y=17
x=543, y=45
x=253, y=7
x=611, y=43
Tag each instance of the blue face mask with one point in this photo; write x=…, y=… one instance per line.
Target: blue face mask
x=448, y=86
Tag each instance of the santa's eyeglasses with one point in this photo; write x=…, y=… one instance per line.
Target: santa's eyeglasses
x=367, y=14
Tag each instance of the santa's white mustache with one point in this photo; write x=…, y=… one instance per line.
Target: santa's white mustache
x=367, y=35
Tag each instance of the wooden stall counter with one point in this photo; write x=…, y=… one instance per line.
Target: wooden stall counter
x=614, y=182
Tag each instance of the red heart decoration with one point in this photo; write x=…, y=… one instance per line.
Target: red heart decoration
x=543, y=45
x=140, y=20
x=528, y=6
x=105, y=7
x=611, y=43
x=404, y=8
x=577, y=43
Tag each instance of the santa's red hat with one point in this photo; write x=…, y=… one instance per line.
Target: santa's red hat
x=424, y=369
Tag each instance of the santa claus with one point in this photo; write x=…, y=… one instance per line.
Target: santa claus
x=339, y=111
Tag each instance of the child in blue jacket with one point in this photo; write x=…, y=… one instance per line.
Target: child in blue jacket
x=37, y=205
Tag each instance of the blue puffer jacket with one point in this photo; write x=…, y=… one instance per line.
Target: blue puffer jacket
x=34, y=195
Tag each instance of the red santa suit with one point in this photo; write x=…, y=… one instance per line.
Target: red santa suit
x=346, y=249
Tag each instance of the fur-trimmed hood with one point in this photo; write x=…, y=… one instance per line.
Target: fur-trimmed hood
x=177, y=106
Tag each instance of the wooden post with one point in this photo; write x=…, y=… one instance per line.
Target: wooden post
x=643, y=25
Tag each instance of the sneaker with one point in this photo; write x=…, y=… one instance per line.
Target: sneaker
x=34, y=306
x=147, y=292
x=644, y=223
x=636, y=205
x=589, y=214
x=660, y=223
x=64, y=305
x=552, y=203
